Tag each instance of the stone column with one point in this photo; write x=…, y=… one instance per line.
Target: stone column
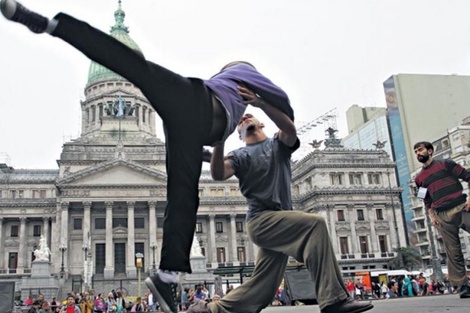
x=254, y=252
x=46, y=230
x=373, y=235
x=141, y=109
x=64, y=233
x=97, y=117
x=109, y=266
x=233, y=239
x=352, y=222
x=86, y=221
x=393, y=231
x=332, y=227
x=153, y=232
x=2, y=259
x=23, y=247
x=213, y=247
x=130, y=264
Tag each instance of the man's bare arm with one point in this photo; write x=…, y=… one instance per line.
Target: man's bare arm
x=221, y=169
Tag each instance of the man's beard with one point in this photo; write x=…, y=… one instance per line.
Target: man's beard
x=423, y=158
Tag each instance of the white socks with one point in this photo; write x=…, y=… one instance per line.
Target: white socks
x=167, y=276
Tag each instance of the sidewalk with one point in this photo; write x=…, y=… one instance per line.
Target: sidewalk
x=431, y=304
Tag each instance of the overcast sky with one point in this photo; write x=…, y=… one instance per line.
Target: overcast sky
x=325, y=54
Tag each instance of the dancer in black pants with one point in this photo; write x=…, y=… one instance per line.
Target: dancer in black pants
x=195, y=113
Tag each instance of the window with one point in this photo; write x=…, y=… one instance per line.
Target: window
x=364, y=245
x=77, y=223
x=20, y=194
x=144, y=111
x=221, y=255
x=383, y=243
x=42, y=194
x=360, y=215
x=336, y=178
x=199, y=227
x=139, y=223
x=445, y=144
x=36, y=230
x=119, y=222
x=241, y=254
x=355, y=179
x=203, y=251
x=14, y=231
x=100, y=223
x=219, y=227
x=340, y=214
x=1, y=194
x=201, y=192
x=380, y=214
x=93, y=113
x=13, y=194
x=239, y=226
x=343, y=245
x=35, y=194
x=234, y=192
x=217, y=192
x=373, y=178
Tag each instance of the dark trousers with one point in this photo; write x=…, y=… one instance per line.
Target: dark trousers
x=185, y=106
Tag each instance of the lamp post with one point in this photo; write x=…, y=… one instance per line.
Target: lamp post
x=138, y=264
x=395, y=223
x=153, y=247
x=62, y=249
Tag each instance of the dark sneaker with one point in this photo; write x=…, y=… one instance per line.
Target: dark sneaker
x=199, y=307
x=464, y=292
x=14, y=11
x=348, y=306
x=163, y=292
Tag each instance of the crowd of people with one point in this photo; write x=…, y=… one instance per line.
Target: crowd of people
x=113, y=302
x=401, y=286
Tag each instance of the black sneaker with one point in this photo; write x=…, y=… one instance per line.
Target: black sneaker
x=464, y=292
x=14, y=11
x=163, y=292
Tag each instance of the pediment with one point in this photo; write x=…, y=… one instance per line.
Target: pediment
x=116, y=172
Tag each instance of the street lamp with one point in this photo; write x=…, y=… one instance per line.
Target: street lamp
x=62, y=249
x=138, y=264
x=153, y=247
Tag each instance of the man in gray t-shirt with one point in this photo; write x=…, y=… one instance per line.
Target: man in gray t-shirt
x=263, y=169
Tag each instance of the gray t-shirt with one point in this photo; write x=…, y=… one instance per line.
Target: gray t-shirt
x=264, y=173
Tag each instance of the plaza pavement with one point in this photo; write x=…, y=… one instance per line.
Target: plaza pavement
x=431, y=304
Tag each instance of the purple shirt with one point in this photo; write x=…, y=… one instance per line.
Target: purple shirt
x=224, y=86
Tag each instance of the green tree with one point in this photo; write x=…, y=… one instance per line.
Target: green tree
x=407, y=258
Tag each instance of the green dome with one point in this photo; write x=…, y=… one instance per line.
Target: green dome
x=97, y=72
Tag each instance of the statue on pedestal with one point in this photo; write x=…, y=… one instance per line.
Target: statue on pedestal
x=43, y=252
x=196, y=248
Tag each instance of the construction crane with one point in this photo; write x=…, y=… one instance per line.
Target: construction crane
x=312, y=133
